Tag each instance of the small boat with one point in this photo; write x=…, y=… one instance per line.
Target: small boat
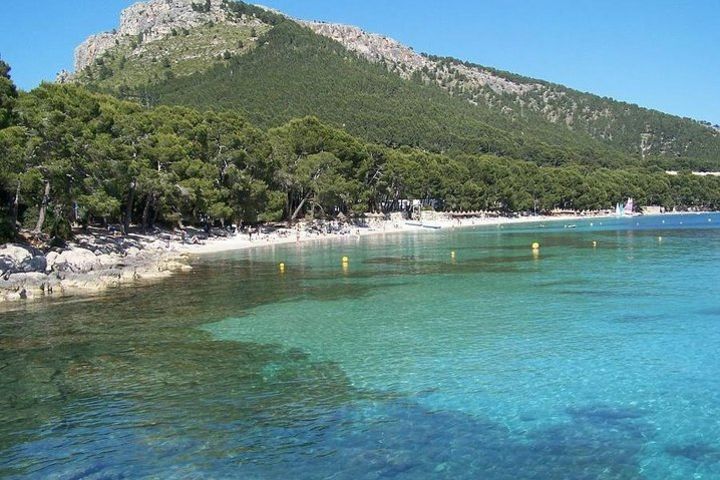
x=629, y=207
x=619, y=210
x=626, y=209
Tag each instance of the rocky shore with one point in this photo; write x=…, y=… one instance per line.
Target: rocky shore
x=92, y=262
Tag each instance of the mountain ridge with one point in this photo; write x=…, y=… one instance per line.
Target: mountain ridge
x=639, y=132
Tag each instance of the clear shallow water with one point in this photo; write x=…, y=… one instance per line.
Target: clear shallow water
x=581, y=362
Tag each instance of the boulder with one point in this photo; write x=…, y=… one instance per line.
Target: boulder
x=50, y=260
x=75, y=260
x=12, y=256
x=21, y=259
x=109, y=260
x=37, y=263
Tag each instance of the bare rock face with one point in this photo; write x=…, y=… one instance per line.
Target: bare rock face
x=63, y=77
x=158, y=18
x=378, y=48
x=92, y=48
x=151, y=21
x=372, y=46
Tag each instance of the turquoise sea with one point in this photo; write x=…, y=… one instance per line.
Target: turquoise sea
x=584, y=361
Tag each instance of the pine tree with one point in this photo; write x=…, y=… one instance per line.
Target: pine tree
x=8, y=96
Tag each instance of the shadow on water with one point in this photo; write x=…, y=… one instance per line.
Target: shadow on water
x=141, y=345
x=460, y=265
x=128, y=387
x=698, y=451
x=712, y=311
x=636, y=318
x=402, y=440
x=585, y=293
x=263, y=430
x=159, y=384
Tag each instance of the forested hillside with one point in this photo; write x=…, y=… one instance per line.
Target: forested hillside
x=72, y=156
x=272, y=68
x=296, y=72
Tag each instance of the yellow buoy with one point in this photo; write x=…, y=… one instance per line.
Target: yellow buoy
x=345, y=260
x=452, y=254
x=536, y=246
x=282, y=267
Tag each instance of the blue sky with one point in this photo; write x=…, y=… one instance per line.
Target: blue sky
x=661, y=54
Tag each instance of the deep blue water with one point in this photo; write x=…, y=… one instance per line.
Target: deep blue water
x=595, y=358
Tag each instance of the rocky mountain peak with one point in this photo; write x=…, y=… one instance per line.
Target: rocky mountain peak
x=150, y=21
x=157, y=18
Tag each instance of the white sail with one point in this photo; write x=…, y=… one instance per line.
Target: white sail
x=629, y=207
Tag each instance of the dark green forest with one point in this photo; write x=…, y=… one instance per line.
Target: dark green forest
x=72, y=156
x=294, y=73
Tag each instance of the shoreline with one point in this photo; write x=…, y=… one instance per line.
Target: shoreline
x=93, y=262
x=97, y=260
x=242, y=242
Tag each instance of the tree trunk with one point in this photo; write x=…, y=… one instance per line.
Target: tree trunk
x=288, y=202
x=156, y=212
x=128, y=208
x=43, y=208
x=299, y=208
x=16, y=207
x=146, y=211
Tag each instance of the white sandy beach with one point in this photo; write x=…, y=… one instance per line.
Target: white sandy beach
x=303, y=234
